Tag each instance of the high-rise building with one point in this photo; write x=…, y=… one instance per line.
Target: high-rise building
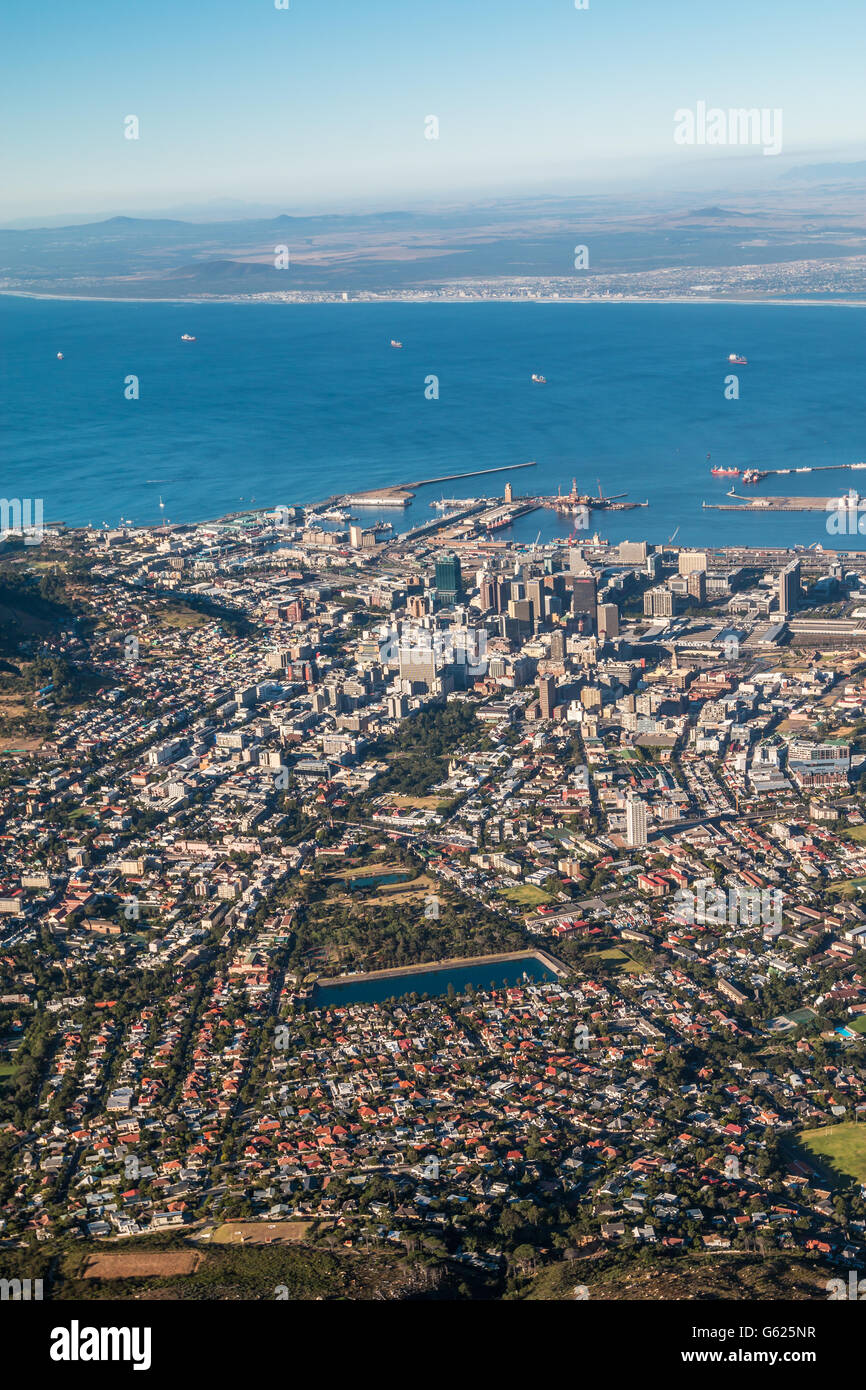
x=535, y=594
x=632, y=552
x=607, y=620
x=690, y=560
x=585, y=591
x=697, y=586
x=659, y=603
x=557, y=645
x=521, y=610
x=449, y=584
x=635, y=822
x=789, y=588
x=547, y=695
x=418, y=606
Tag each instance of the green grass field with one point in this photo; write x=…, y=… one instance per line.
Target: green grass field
x=840, y=1149
x=527, y=894
x=620, y=960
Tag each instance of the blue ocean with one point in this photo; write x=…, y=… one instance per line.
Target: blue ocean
x=281, y=404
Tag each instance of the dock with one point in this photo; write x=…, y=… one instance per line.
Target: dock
x=401, y=494
x=774, y=504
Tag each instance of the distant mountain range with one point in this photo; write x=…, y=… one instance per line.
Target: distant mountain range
x=397, y=250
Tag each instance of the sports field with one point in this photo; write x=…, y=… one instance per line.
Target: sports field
x=839, y=1149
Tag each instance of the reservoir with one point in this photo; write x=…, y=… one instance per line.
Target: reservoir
x=433, y=980
x=376, y=880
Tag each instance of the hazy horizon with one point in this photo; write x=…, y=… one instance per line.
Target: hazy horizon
x=327, y=108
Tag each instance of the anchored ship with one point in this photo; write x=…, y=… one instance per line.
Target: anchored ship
x=736, y=360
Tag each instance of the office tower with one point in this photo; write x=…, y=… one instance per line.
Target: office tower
x=535, y=594
x=659, y=603
x=635, y=822
x=557, y=646
x=789, y=588
x=521, y=609
x=632, y=552
x=691, y=560
x=547, y=695
x=697, y=586
x=449, y=585
x=607, y=619
x=585, y=593
x=418, y=606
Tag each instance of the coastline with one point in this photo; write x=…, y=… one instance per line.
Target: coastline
x=782, y=301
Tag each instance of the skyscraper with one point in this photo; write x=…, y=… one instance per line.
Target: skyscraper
x=697, y=586
x=691, y=561
x=789, y=588
x=635, y=822
x=607, y=620
x=585, y=591
x=557, y=645
x=547, y=695
x=449, y=584
x=535, y=594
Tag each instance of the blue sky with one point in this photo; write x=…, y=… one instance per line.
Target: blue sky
x=323, y=105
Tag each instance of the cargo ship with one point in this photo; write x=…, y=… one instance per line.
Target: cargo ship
x=736, y=360
x=725, y=472
x=540, y=380
x=394, y=343
x=186, y=338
